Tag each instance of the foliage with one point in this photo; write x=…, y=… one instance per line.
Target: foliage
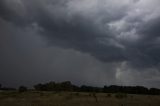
x=68, y=86
x=22, y=89
x=33, y=98
x=52, y=86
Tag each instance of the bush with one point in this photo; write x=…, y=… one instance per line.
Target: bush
x=22, y=89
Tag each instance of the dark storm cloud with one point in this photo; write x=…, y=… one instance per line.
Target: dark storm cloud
x=124, y=35
x=85, y=34
x=78, y=32
x=14, y=12
x=145, y=52
x=26, y=60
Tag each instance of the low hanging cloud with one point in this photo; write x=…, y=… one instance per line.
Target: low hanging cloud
x=109, y=41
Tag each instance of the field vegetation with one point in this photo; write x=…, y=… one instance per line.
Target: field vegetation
x=67, y=94
x=50, y=98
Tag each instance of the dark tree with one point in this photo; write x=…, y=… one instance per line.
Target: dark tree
x=154, y=91
x=68, y=86
x=39, y=87
x=52, y=86
x=22, y=89
x=85, y=88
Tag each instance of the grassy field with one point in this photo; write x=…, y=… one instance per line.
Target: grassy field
x=75, y=99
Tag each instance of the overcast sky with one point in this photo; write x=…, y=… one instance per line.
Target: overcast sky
x=94, y=42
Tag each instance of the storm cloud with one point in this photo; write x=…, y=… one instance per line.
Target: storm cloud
x=92, y=42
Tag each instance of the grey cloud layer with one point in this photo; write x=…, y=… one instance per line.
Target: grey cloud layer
x=111, y=31
x=25, y=59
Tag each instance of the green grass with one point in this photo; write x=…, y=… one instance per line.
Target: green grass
x=75, y=99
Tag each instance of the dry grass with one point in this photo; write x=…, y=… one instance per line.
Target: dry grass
x=75, y=99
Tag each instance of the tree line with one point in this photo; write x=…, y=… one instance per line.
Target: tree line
x=6, y=88
x=68, y=86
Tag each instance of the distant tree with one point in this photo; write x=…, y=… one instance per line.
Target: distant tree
x=22, y=89
x=141, y=90
x=85, y=88
x=154, y=91
x=66, y=86
x=39, y=87
x=52, y=86
x=8, y=88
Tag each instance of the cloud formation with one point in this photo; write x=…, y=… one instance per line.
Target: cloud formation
x=98, y=41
